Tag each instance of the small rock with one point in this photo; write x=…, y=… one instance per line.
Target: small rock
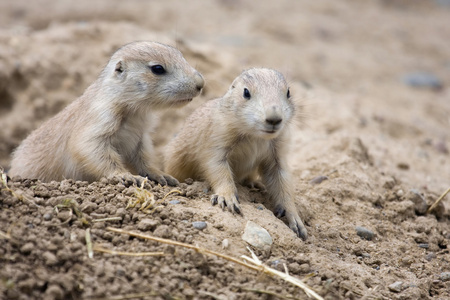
x=430, y=256
x=445, y=276
x=396, y=287
x=225, y=244
x=403, y=166
x=420, y=204
x=200, y=225
x=147, y=224
x=48, y=216
x=364, y=233
x=318, y=179
x=425, y=246
x=422, y=80
x=260, y=207
x=175, y=201
x=257, y=236
x=189, y=181
x=50, y=258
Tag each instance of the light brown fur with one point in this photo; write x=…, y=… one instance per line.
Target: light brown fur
x=241, y=139
x=107, y=131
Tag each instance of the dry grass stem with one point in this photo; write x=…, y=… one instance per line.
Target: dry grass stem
x=128, y=296
x=285, y=276
x=255, y=263
x=147, y=199
x=438, y=200
x=107, y=219
x=169, y=193
x=72, y=206
x=113, y=252
x=269, y=293
x=19, y=194
x=89, y=244
x=5, y=235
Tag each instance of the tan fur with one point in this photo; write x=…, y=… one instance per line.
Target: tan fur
x=106, y=132
x=234, y=139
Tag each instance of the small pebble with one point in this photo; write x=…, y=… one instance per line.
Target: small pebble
x=364, y=233
x=257, y=236
x=48, y=216
x=225, y=244
x=318, y=179
x=445, y=276
x=175, y=201
x=396, y=287
x=200, y=225
x=430, y=256
x=260, y=207
x=425, y=246
x=422, y=80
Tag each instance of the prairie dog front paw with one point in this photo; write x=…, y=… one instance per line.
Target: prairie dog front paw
x=229, y=200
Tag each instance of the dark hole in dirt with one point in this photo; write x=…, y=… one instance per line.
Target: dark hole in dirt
x=6, y=102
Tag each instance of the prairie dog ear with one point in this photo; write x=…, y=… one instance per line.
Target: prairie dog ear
x=119, y=69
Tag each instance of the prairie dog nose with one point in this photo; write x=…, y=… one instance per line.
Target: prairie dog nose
x=275, y=120
x=273, y=116
x=199, y=81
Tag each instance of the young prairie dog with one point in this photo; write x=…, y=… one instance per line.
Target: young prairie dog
x=241, y=137
x=107, y=131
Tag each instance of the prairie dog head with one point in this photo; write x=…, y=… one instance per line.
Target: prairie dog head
x=260, y=98
x=151, y=74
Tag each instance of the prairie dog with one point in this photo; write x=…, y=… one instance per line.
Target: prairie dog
x=241, y=137
x=106, y=131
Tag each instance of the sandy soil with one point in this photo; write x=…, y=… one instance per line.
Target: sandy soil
x=382, y=144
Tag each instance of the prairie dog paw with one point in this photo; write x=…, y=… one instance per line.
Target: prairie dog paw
x=294, y=221
x=255, y=186
x=128, y=178
x=161, y=178
x=230, y=201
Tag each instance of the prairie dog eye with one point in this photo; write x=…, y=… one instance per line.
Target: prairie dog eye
x=288, y=94
x=158, y=69
x=246, y=94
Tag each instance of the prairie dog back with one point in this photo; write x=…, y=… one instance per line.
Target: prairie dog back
x=241, y=137
x=106, y=132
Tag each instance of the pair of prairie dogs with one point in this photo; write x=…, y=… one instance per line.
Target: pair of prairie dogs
x=240, y=137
